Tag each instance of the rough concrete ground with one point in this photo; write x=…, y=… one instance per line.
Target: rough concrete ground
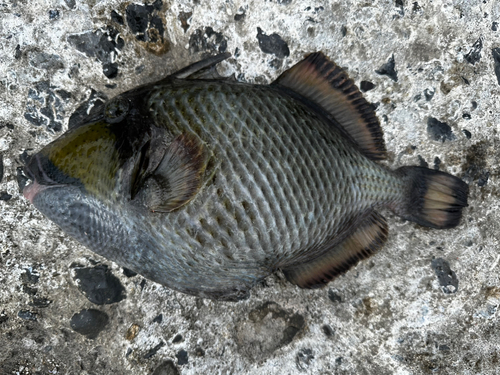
x=427, y=303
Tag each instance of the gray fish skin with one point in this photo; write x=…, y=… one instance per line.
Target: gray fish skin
x=281, y=179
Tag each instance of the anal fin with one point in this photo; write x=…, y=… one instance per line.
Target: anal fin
x=367, y=239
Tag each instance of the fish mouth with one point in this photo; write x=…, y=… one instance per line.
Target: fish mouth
x=32, y=190
x=40, y=180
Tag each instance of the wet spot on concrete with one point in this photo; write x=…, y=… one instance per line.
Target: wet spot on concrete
x=70, y=3
x=439, y=131
x=182, y=357
x=328, y=331
x=87, y=109
x=177, y=339
x=437, y=163
x=103, y=44
x=272, y=44
x=207, y=40
x=429, y=93
x=22, y=180
x=30, y=276
x=151, y=352
x=240, y=14
x=40, y=302
x=1, y=167
x=389, y=69
x=147, y=24
x=89, y=322
x=4, y=196
x=45, y=106
x=99, y=285
x=54, y=14
x=184, y=18
x=47, y=61
x=343, y=30
x=474, y=54
x=496, y=58
x=3, y=317
x=199, y=351
x=304, y=359
x=335, y=296
x=446, y=277
x=166, y=368
x=422, y=162
x=366, y=86
x=116, y=17
x=129, y=273
x=400, y=7
x=6, y=124
x=475, y=167
x=27, y=315
x=267, y=328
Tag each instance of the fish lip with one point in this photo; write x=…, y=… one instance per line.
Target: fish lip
x=30, y=191
x=35, y=187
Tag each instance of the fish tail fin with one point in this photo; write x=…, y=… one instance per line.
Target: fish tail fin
x=433, y=199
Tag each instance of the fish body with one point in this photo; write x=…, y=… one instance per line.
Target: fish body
x=209, y=185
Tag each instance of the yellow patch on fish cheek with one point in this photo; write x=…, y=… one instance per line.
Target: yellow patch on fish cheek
x=88, y=154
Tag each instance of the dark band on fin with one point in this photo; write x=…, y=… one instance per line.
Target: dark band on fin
x=323, y=82
x=178, y=177
x=433, y=199
x=367, y=239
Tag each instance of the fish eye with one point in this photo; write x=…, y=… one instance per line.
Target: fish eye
x=116, y=109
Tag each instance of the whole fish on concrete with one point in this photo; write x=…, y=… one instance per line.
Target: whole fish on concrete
x=208, y=185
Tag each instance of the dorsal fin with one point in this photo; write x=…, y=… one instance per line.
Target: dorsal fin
x=203, y=69
x=367, y=239
x=323, y=82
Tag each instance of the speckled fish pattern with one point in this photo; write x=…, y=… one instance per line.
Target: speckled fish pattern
x=285, y=181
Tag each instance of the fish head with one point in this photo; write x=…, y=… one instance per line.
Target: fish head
x=101, y=162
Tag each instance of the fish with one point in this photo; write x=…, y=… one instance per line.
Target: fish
x=208, y=185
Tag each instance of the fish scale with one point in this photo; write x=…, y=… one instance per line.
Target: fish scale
x=304, y=178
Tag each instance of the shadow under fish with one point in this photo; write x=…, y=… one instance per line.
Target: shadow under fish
x=208, y=185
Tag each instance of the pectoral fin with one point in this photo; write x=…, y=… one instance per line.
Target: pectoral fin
x=178, y=177
x=368, y=238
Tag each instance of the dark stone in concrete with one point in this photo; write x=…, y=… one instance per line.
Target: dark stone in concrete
x=268, y=328
x=474, y=55
x=496, y=58
x=389, y=69
x=182, y=357
x=99, y=285
x=446, y=277
x=366, y=86
x=272, y=44
x=89, y=322
x=154, y=350
x=166, y=368
x=439, y=131
x=207, y=40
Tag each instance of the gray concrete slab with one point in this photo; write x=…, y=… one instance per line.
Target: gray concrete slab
x=427, y=303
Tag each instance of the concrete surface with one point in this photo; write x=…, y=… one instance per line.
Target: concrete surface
x=426, y=304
